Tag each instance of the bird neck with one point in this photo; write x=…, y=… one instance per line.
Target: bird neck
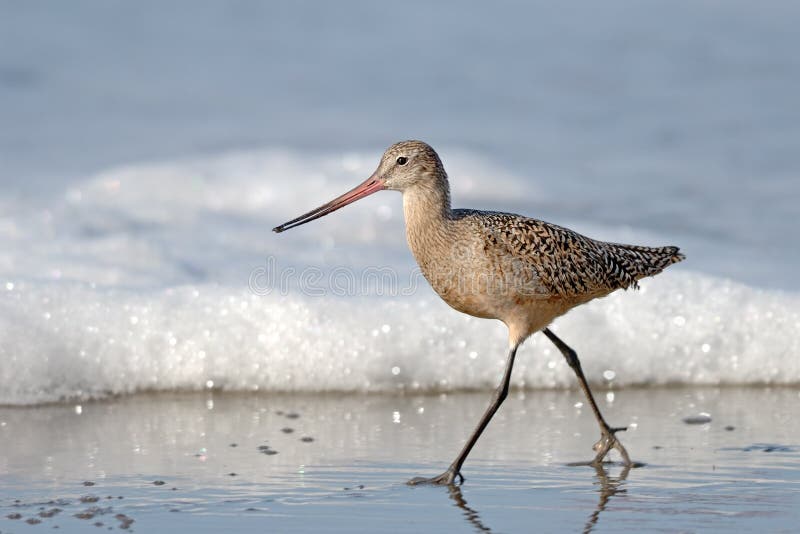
x=427, y=203
x=428, y=219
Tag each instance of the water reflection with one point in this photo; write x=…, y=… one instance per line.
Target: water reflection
x=469, y=513
x=608, y=487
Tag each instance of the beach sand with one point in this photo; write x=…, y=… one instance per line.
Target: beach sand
x=209, y=462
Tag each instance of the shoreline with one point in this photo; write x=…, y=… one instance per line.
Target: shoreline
x=597, y=389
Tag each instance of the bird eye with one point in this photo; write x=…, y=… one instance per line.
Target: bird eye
x=402, y=160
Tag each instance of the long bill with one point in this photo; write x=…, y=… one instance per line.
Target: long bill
x=371, y=185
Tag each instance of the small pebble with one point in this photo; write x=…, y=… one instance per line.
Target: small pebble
x=88, y=483
x=232, y=474
x=158, y=482
x=266, y=449
x=287, y=430
x=124, y=521
x=292, y=415
x=233, y=445
x=33, y=521
x=306, y=439
x=730, y=428
x=49, y=513
x=14, y=516
x=699, y=419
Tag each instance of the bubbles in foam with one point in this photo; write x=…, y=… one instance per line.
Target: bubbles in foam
x=198, y=337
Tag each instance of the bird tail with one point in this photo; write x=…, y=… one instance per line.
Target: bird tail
x=640, y=262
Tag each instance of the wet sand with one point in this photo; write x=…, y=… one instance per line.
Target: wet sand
x=206, y=462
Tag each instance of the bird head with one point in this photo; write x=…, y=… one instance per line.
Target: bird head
x=404, y=165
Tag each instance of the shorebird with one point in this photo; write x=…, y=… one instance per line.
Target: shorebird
x=522, y=271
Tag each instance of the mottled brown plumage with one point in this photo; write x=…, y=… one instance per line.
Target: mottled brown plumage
x=522, y=271
x=569, y=264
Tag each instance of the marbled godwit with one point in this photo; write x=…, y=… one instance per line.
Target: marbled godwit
x=522, y=271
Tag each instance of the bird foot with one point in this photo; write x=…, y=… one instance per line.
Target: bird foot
x=447, y=478
x=608, y=440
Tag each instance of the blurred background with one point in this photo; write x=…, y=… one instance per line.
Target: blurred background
x=150, y=146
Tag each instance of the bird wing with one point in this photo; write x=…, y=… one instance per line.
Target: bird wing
x=567, y=263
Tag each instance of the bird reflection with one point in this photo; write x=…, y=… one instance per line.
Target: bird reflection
x=469, y=513
x=608, y=487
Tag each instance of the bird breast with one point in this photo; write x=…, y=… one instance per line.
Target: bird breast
x=468, y=274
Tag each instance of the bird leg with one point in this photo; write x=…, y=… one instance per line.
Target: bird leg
x=608, y=439
x=454, y=471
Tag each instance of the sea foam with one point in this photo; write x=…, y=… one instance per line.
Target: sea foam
x=70, y=341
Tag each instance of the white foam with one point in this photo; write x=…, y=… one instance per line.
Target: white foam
x=64, y=341
x=138, y=280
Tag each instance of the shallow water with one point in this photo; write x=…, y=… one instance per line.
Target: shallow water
x=739, y=472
